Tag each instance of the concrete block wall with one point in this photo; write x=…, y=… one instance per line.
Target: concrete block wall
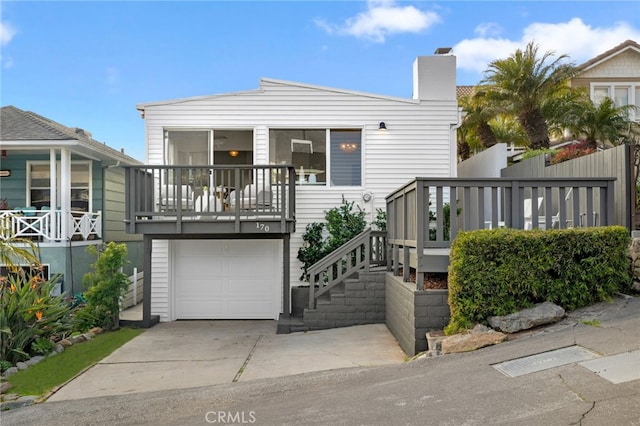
x=410, y=313
x=363, y=302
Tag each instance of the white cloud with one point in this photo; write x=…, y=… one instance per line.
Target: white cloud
x=6, y=33
x=574, y=38
x=381, y=19
x=579, y=40
x=488, y=29
x=475, y=54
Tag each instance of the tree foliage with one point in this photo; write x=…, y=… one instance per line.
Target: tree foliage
x=29, y=313
x=106, y=285
x=342, y=224
x=602, y=123
x=523, y=83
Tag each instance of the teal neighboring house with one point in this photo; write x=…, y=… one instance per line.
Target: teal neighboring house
x=64, y=191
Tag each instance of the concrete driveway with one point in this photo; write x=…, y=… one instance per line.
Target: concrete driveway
x=185, y=354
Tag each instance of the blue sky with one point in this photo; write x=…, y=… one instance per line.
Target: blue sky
x=88, y=64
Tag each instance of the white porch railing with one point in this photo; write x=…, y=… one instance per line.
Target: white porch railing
x=46, y=225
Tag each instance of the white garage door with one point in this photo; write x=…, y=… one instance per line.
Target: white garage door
x=227, y=279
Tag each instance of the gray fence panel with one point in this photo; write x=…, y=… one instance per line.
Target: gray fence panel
x=614, y=162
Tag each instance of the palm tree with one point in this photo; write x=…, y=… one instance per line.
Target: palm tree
x=523, y=83
x=507, y=130
x=463, y=142
x=479, y=111
x=561, y=110
x=602, y=123
x=15, y=251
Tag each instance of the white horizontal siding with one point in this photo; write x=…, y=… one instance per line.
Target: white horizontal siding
x=416, y=144
x=160, y=279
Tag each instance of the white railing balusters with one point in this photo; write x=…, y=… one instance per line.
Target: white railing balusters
x=42, y=226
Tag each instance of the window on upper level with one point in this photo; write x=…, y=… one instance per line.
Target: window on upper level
x=346, y=157
x=39, y=185
x=325, y=157
x=621, y=93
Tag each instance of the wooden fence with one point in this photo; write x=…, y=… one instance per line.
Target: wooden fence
x=615, y=162
x=133, y=296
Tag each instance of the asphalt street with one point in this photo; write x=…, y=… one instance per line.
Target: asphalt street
x=456, y=389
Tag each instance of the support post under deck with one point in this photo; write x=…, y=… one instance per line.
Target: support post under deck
x=286, y=279
x=146, y=283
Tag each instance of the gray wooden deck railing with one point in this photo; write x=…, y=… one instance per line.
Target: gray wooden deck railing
x=424, y=216
x=367, y=249
x=176, y=198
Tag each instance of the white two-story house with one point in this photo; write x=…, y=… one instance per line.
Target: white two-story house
x=232, y=180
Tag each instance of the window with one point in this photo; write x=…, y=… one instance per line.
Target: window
x=621, y=93
x=621, y=96
x=306, y=150
x=39, y=185
x=229, y=147
x=599, y=93
x=186, y=148
x=346, y=157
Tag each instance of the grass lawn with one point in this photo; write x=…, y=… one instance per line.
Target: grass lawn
x=54, y=371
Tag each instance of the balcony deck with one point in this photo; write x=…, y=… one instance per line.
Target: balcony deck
x=210, y=201
x=424, y=216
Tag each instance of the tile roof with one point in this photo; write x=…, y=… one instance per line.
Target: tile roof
x=611, y=52
x=19, y=125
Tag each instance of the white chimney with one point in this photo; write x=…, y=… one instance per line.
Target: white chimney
x=434, y=77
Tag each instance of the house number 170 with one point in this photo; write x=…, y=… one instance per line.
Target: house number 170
x=262, y=226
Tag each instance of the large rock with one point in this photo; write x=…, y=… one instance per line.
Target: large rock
x=543, y=313
x=479, y=337
x=34, y=360
x=10, y=371
x=66, y=343
x=4, y=387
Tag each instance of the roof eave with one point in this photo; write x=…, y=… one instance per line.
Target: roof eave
x=594, y=62
x=76, y=146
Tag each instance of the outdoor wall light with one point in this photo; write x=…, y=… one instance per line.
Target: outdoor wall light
x=233, y=153
x=382, y=126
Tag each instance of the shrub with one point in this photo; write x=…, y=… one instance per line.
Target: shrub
x=380, y=222
x=501, y=271
x=446, y=222
x=342, y=224
x=572, y=151
x=106, y=285
x=42, y=346
x=530, y=153
x=28, y=312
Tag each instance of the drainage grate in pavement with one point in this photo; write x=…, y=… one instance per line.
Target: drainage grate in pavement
x=620, y=368
x=543, y=361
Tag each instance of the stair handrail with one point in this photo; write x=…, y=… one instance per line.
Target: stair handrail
x=341, y=262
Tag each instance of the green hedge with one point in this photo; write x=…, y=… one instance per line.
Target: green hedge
x=501, y=271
